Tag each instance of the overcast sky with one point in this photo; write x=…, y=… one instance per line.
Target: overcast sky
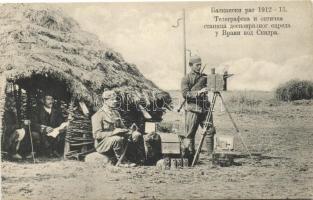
x=143, y=33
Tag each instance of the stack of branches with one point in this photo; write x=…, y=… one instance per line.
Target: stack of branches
x=78, y=135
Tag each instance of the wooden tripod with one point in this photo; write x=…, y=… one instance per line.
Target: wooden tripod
x=207, y=123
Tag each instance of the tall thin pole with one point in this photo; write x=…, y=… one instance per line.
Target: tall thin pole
x=184, y=41
x=184, y=53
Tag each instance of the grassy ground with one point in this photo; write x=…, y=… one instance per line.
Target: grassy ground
x=281, y=132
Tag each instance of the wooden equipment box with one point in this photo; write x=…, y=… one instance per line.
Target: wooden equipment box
x=223, y=142
x=223, y=154
x=215, y=82
x=170, y=143
x=223, y=158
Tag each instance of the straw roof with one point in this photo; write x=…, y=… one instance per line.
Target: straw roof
x=36, y=40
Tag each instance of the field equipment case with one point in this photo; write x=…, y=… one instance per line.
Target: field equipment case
x=223, y=154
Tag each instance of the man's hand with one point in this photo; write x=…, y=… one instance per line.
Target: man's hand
x=48, y=129
x=203, y=90
x=136, y=136
x=20, y=133
x=118, y=131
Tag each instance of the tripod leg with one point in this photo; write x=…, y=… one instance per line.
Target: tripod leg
x=207, y=120
x=185, y=113
x=235, y=125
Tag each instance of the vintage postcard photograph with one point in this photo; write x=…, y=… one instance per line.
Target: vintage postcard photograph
x=156, y=100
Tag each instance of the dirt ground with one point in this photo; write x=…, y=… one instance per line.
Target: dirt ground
x=281, y=132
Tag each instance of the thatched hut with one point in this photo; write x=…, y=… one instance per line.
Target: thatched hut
x=42, y=49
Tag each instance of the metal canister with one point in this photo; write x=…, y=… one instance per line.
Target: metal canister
x=173, y=163
x=179, y=163
x=185, y=162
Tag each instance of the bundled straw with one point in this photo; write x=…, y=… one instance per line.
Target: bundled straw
x=41, y=41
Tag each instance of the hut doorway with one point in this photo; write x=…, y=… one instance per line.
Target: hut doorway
x=24, y=96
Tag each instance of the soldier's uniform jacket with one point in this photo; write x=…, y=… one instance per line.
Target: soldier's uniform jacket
x=104, y=122
x=190, y=84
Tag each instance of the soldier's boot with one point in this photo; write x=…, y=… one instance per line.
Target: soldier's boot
x=210, y=146
x=189, y=155
x=30, y=155
x=17, y=157
x=192, y=151
x=188, y=149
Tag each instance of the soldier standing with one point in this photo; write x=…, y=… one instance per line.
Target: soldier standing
x=194, y=90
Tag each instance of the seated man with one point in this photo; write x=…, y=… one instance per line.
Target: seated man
x=110, y=132
x=48, y=127
x=13, y=134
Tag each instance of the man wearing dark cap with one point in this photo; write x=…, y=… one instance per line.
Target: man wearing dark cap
x=194, y=90
x=44, y=122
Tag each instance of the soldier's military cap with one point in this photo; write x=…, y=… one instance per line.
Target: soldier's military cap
x=194, y=59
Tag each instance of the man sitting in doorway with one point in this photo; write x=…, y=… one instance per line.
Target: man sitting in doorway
x=111, y=134
x=48, y=128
